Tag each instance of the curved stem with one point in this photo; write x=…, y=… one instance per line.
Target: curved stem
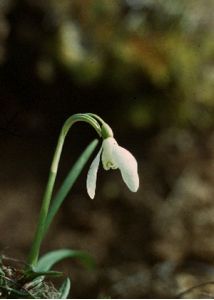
x=35, y=249
x=106, y=130
x=96, y=117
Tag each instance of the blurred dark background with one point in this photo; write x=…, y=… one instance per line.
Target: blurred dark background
x=146, y=67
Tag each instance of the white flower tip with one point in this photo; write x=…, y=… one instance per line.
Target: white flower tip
x=91, y=185
x=91, y=194
x=92, y=175
x=132, y=181
x=135, y=185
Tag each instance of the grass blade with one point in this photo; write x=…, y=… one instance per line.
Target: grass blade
x=46, y=262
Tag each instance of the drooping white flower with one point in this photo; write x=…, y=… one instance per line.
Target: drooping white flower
x=113, y=157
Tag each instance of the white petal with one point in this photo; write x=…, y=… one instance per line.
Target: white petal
x=92, y=175
x=128, y=167
x=107, y=157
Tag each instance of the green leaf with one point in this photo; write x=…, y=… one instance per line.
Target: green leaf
x=34, y=273
x=65, y=289
x=69, y=182
x=46, y=262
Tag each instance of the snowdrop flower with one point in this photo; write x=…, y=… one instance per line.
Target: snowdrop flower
x=113, y=157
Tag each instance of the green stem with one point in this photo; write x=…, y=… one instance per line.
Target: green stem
x=70, y=179
x=39, y=234
x=97, y=117
x=106, y=130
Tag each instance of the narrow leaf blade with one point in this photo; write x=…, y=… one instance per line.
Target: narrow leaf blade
x=65, y=289
x=46, y=262
x=37, y=275
x=69, y=182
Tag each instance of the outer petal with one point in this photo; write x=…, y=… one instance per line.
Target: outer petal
x=92, y=175
x=128, y=167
